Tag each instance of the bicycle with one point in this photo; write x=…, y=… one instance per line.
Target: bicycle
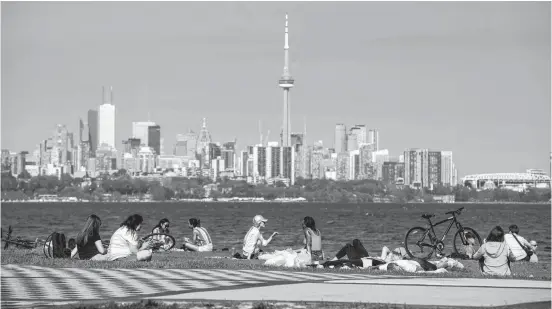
x=412, y=241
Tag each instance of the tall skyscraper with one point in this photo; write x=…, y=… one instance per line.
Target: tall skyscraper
x=286, y=83
x=422, y=167
x=446, y=168
x=373, y=138
x=93, y=131
x=203, y=141
x=106, y=112
x=140, y=130
x=154, y=138
x=352, y=142
x=359, y=130
x=340, y=141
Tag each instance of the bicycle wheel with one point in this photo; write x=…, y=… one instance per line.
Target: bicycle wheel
x=418, y=243
x=162, y=241
x=461, y=247
x=47, y=248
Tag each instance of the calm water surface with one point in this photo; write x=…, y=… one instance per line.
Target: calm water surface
x=375, y=224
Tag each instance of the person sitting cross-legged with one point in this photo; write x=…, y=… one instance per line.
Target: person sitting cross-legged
x=253, y=239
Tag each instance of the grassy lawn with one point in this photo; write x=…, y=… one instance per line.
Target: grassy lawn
x=268, y=305
x=193, y=260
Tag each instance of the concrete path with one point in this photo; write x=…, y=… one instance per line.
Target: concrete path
x=24, y=286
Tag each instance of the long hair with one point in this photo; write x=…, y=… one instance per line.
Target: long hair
x=309, y=222
x=496, y=235
x=132, y=222
x=195, y=222
x=163, y=221
x=91, y=227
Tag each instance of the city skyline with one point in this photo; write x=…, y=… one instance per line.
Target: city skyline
x=334, y=87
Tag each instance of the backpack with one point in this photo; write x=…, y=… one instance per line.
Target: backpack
x=59, y=246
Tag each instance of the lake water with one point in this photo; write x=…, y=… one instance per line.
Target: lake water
x=375, y=225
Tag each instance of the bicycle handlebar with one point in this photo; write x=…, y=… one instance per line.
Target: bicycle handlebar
x=458, y=211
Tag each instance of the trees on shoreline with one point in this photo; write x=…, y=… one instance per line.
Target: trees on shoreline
x=121, y=185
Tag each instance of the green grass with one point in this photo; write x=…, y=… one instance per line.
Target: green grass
x=147, y=304
x=194, y=260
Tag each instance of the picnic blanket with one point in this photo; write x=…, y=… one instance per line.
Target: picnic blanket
x=287, y=258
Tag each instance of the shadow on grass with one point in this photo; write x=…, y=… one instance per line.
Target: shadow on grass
x=279, y=305
x=216, y=260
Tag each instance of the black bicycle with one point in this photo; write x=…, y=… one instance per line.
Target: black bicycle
x=423, y=242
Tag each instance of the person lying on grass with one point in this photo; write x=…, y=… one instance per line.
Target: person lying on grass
x=89, y=243
x=125, y=244
x=356, y=251
x=253, y=239
x=201, y=240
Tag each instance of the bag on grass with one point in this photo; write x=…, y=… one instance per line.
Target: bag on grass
x=59, y=246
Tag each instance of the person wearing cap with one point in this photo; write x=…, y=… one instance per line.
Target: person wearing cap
x=253, y=240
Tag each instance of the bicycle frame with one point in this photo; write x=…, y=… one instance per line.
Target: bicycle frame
x=433, y=236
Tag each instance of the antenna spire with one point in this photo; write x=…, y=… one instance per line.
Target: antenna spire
x=111, y=99
x=286, y=45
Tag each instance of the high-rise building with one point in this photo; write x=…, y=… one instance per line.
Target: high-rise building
x=106, y=122
x=342, y=166
x=286, y=83
x=414, y=160
x=378, y=157
x=140, y=130
x=154, y=138
x=446, y=168
x=203, y=141
x=297, y=142
x=359, y=130
x=93, y=131
x=354, y=165
x=340, y=141
x=352, y=142
x=259, y=161
x=180, y=148
x=373, y=138
x=392, y=172
x=367, y=170
x=422, y=167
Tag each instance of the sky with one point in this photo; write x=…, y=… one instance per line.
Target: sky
x=468, y=77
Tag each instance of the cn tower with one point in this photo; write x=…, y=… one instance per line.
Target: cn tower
x=286, y=82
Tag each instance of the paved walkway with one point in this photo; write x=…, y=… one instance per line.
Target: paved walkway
x=24, y=286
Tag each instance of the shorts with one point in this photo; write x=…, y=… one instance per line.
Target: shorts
x=316, y=255
x=205, y=248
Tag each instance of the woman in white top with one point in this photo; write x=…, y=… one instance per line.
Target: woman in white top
x=253, y=240
x=201, y=240
x=125, y=244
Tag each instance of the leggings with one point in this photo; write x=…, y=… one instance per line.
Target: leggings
x=353, y=251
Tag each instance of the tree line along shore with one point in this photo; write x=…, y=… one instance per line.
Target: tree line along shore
x=121, y=187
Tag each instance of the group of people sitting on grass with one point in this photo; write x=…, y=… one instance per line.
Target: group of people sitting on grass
x=125, y=243
x=494, y=255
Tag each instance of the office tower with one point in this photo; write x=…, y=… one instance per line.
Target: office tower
x=362, y=133
x=378, y=157
x=202, y=147
x=373, y=138
x=154, y=138
x=244, y=158
x=259, y=161
x=392, y=171
x=354, y=165
x=190, y=141
x=434, y=173
x=298, y=146
x=352, y=143
x=217, y=166
x=180, y=148
x=342, y=166
x=286, y=83
x=140, y=130
x=340, y=141
x=106, y=121
x=366, y=164
x=93, y=131
x=214, y=151
x=446, y=168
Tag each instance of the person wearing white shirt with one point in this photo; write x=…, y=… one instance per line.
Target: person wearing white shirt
x=125, y=244
x=253, y=240
x=516, y=245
